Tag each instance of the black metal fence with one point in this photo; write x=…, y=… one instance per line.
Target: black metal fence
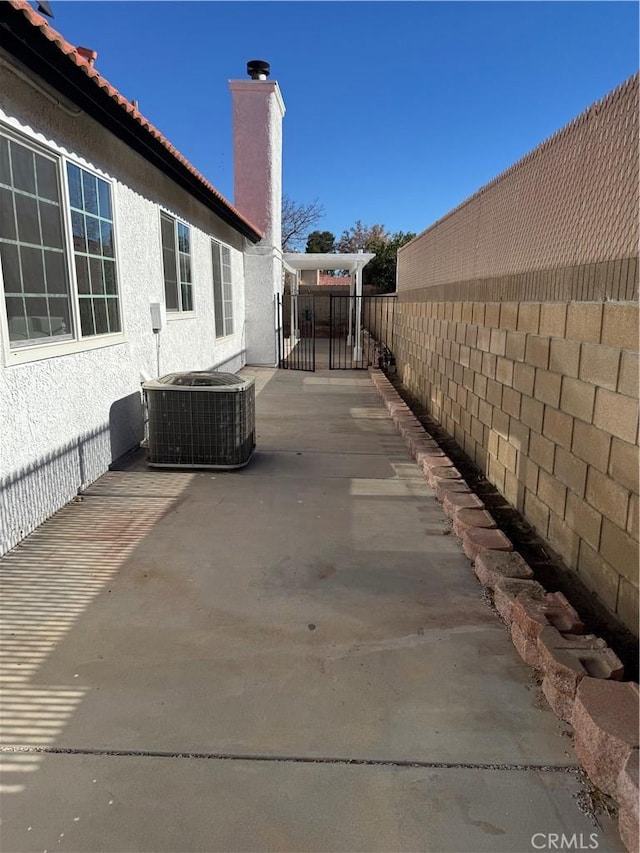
x=297, y=333
x=359, y=333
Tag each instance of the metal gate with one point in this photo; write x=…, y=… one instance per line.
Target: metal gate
x=339, y=332
x=361, y=331
x=296, y=332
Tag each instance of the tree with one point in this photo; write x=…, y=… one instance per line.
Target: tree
x=297, y=220
x=320, y=242
x=380, y=273
x=361, y=236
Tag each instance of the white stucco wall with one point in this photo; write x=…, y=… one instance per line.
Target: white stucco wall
x=263, y=281
x=64, y=419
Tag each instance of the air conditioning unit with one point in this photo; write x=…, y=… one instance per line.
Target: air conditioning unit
x=201, y=419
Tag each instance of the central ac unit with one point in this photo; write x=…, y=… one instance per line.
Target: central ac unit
x=201, y=419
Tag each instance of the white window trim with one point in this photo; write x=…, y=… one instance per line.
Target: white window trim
x=177, y=313
x=40, y=352
x=52, y=349
x=227, y=335
x=172, y=316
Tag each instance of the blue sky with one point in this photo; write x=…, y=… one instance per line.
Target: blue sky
x=396, y=111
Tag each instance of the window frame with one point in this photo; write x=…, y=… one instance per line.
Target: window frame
x=177, y=313
x=214, y=241
x=72, y=261
x=51, y=348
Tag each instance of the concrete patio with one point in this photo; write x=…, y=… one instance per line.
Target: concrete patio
x=292, y=657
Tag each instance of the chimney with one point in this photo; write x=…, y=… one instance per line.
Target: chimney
x=88, y=54
x=258, y=110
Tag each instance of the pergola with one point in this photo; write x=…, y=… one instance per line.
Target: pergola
x=353, y=262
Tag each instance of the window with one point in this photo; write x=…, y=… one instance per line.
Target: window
x=176, y=259
x=92, y=229
x=222, y=289
x=32, y=250
x=47, y=298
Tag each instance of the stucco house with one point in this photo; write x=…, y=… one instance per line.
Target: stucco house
x=104, y=224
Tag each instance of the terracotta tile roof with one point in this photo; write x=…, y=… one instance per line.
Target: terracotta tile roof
x=74, y=56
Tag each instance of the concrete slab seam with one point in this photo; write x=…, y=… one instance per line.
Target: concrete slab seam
x=291, y=759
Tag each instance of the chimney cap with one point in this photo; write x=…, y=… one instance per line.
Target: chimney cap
x=258, y=69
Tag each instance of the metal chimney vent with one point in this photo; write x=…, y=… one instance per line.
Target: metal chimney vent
x=258, y=69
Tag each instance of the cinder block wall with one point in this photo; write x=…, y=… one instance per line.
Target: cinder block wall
x=543, y=398
x=517, y=327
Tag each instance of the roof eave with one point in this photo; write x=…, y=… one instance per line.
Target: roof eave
x=30, y=47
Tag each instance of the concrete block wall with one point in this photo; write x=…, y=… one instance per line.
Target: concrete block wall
x=543, y=397
x=516, y=325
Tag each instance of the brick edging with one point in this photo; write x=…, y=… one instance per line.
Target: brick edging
x=582, y=676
